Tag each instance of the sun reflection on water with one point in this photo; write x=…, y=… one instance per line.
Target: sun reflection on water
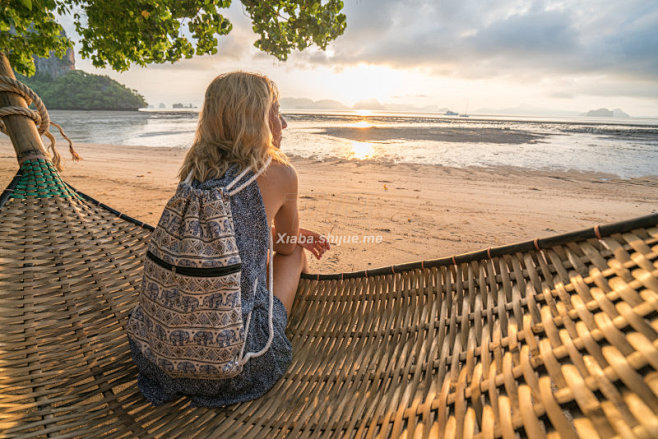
x=361, y=150
x=362, y=124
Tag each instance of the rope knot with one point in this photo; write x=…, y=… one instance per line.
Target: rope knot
x=39, y=116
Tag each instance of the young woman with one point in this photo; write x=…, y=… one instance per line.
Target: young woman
x=239, y=131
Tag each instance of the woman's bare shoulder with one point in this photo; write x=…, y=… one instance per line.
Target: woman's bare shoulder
x=280, y=174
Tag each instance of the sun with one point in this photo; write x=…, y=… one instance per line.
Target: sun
x=363, y=113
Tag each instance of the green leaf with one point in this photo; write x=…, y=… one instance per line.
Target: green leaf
x=121, y=33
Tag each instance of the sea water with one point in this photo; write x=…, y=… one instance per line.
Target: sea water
x=626, y=148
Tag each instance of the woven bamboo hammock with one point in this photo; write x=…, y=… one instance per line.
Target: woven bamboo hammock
x=551, y=338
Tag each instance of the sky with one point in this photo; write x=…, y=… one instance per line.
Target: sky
x=466, y=55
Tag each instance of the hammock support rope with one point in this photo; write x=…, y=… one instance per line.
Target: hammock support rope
x=556, y=337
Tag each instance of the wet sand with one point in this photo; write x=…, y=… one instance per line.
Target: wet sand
x=438, y=134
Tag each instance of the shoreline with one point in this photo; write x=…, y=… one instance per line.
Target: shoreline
x=421, y=211
x=574, y=119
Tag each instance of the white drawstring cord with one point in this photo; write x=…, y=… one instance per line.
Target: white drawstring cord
x=188, y=180
x=246, y=326
x=244, y=358
x=236, y=179
x=248, y=182
x=250, y=355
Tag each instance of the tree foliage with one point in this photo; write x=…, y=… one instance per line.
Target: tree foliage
x=78, y=90
x=29, y=28
x=294, y=24
x=119, y=33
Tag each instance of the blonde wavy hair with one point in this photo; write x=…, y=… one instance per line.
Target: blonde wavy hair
x=233, y=127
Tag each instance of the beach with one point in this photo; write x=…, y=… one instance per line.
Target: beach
x=378, y=214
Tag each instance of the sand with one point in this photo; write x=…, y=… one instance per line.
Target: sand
x=396, y=213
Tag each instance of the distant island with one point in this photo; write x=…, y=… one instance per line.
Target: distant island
x=288, y=104
x=62, y=87
x=372, y=104
x=308, y=104
x=369, y=104
x=604, y=112
x=179, y=106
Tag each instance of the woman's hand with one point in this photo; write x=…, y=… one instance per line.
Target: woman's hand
x=313, y=242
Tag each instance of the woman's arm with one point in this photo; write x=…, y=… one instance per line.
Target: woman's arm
x=286, y=220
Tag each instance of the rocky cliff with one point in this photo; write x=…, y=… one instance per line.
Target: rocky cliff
x=54, y=67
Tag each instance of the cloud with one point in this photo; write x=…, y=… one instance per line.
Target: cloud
x=615, y=88
x=534, y=33
x=513, y=50
x=561, y=94
x=474, y=39
x=506, y=37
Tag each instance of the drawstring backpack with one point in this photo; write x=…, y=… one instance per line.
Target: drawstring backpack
x=189, y=317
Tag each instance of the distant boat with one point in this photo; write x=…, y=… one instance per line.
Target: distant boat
x=451, y=113
x=465, y=113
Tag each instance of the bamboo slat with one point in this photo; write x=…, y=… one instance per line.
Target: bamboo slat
x=552, y=338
